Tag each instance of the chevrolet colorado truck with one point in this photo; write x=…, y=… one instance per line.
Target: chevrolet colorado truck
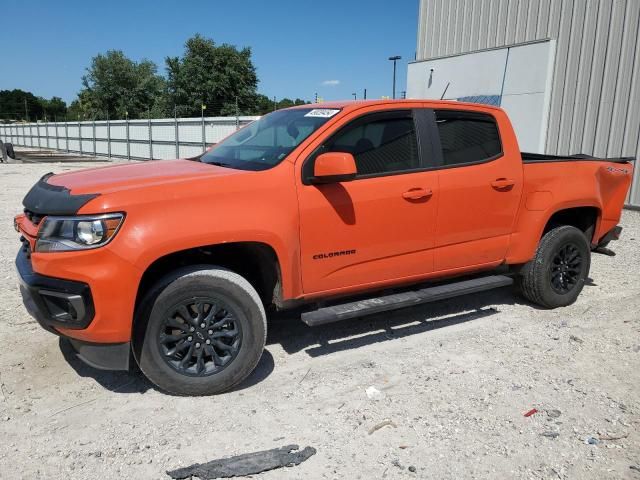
x=339, y=210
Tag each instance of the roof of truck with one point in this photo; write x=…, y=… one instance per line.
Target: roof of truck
x=343, y=104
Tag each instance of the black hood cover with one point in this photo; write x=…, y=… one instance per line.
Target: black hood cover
x=47, y=199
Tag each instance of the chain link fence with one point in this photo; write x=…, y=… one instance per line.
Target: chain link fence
x=152, y=139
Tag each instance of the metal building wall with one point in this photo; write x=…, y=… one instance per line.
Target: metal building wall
x=595, y=97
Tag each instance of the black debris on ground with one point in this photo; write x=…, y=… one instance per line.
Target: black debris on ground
x=245, y=464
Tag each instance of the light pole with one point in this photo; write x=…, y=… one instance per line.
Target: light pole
x=395, y=58
x=355, y=96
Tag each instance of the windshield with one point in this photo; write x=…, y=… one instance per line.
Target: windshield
x=267, y=141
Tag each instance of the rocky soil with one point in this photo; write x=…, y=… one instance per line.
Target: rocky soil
x=435, y=392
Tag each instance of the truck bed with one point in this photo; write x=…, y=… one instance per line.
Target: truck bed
x=542, y=158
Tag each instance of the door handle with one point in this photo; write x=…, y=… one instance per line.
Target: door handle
x=417, y=193
x=503, y=183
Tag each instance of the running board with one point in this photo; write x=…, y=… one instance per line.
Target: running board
x=394, y=301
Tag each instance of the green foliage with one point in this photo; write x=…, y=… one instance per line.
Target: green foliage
x=116, y=85
x=222, y=77
x=12, y=106
x=287, y=102
x=211, y=75
x=264, y=104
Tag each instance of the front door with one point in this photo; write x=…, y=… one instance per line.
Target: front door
x=378, y=227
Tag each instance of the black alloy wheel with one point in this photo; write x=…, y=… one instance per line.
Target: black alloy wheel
x=200, y=336
x=558, y=272
x=565, y=268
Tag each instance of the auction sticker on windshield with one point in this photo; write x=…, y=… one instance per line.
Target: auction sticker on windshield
x=322, y=112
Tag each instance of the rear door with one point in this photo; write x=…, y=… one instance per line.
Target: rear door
x=480, y=186
x=378, y=227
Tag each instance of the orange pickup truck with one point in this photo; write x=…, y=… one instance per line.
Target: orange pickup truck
x=339, y=210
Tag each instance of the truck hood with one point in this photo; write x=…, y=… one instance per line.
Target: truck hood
x=116, y=178
x=66, y=193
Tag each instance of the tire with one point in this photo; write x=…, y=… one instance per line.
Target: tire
x=175, y=347
x=553, y=279
x=10, y=152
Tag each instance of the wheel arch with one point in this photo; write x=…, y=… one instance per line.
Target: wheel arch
x=533, y=225
x=255, y=261
x=585, y=218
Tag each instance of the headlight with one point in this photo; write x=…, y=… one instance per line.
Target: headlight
x=63, y=234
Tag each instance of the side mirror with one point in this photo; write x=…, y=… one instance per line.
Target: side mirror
x=334, y=167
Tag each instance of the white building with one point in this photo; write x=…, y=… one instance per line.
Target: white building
x=566, y=71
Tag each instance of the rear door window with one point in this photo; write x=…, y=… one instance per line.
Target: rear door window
x=467, y=137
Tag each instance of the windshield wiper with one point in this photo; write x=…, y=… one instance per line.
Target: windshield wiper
x=219, y=164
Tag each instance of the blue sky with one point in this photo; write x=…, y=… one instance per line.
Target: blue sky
x=299, y=47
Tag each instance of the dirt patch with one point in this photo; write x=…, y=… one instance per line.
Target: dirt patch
x=452, y=383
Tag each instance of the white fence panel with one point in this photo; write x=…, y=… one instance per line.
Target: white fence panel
x=102, y=147
x=101, y=131
x=118, y=149
x=163, y=151
x=139, y=150
x=110, y=138
x=164, y=133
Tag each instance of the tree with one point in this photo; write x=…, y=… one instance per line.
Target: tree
x=116, y=86
x=211, y=75
x=54, y=109
x=263, y=104
x=287, y=102
x=20, y=105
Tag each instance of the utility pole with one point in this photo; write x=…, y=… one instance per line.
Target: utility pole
x=365, y=94
x=237, y=114
x=108, y=136
x=204, y=145
x=275, y=105
x=150, y=130
x=175, y=127
x=394, y=59
x=126, y=116
x=26, y=110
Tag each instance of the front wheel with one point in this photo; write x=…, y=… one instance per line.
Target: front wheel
x=205, y=331
x=556, y=275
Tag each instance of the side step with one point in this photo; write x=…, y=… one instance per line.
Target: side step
x=394, y=301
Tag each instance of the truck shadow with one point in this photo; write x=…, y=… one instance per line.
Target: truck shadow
x=116, y=381
x=133, y=381
x=287, y=329
x=294, y=336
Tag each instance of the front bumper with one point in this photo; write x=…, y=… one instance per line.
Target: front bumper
x=65, y=304
x=54, y=302
x=104, y=356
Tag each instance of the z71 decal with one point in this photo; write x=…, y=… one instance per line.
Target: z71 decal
x=624, y=171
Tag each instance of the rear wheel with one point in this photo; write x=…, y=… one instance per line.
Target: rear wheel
x=204, y=331
x=556, y=275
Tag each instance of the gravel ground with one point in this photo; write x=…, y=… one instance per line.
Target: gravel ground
x=454, y=378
